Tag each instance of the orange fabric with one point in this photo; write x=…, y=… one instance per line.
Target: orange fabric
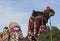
x=1, y=37
x=31, y=20
x=5, y=36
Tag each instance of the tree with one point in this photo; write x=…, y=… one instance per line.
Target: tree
x=55, y=33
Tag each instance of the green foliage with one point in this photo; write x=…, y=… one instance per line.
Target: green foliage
x=55, y=34
x=47, y=36
x=42, y=37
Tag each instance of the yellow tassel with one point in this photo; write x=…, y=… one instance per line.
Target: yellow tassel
x=31, y=20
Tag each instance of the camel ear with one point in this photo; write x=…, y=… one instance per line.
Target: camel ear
x=34, y=11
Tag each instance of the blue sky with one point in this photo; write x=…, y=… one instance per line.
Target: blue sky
x=20, y=11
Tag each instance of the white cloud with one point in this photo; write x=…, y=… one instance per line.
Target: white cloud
x=56, y=3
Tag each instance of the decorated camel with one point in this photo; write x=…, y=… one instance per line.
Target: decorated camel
x=37, y=23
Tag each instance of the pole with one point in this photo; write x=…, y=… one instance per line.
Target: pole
x=50, y=31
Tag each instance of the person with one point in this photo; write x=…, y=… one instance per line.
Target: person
x=5, y=34
x=15, y=32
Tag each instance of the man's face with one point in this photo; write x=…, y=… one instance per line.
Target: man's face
x=15, y=31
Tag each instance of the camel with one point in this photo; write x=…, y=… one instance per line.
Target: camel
x=37, y=20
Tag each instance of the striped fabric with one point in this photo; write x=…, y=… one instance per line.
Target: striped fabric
x=32, y=27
